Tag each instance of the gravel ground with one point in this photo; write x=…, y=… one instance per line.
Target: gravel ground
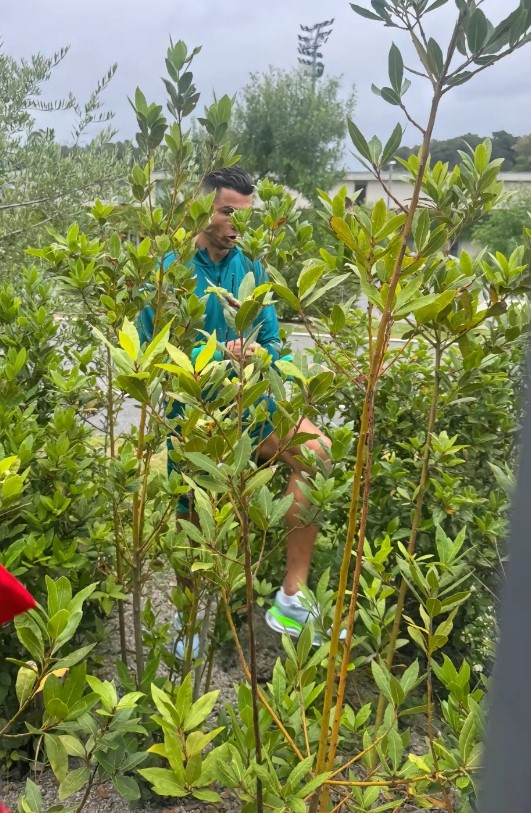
x=226, y=672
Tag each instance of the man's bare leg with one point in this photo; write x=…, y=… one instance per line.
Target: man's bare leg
x=300, y=537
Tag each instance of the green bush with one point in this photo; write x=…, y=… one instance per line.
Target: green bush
x=475, y=439
x=60, y=522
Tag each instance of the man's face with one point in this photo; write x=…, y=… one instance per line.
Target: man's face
x=220, y=234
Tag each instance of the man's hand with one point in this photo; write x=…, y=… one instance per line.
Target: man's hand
x=237, y=349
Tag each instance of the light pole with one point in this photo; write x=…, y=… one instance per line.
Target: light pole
x=310, y=41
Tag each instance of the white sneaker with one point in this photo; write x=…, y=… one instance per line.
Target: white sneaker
x=289, y=615
x=180, y=647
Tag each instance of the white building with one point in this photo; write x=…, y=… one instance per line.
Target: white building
x=371, y=190
x=395, y=179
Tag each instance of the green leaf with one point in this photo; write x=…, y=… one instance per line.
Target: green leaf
x=382, y=680
x=322, y=289
x=299, y=772
x=397, y=692
x=390, y=149
x=73, y=746
x=363, y=12
x=390, y=96
x=375, y=149
x=206, y=353
x=206, y=464
x=247, y=314
x=313, y=784
x=427, y=308
x=57, y=624
x=193, y=768
x=279, y=683
x=505, y=479
x=105, y=691
x=477, y=29
x=309, y=277
x=409, y=678
x=135, y=386
x=344, y=232
x=165, y=707
x=12, y=486
x=180, y=358
x=56, y=709
x=242, y=454
x=74, y=657
x=29, y=638
x=207, y=796
x=419, y=762
x=468, y=736
x=73, y=782
x=395, y=749
x=247, y=286
x=359, y=140
x=200, y=710
x=435, y=57
x=287, y=295
x=129, y=339
x=33, y=796
x=163, y=782
x=337, y=318
x=257, y=481
x=252, y=394
x=396, y=69
x=57, y=755
x=26, y=679
x=157, y=345
x=127, y=787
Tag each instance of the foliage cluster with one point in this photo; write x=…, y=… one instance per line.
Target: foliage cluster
x=302, y=740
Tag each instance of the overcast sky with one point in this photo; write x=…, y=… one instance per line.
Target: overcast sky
x=242, y=36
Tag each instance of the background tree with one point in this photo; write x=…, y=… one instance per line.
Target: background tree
x=41, y=183
x=522, y=149
x=292, y=131
x=503, y=228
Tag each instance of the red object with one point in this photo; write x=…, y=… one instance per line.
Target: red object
x=14, y=599
x=3, y=809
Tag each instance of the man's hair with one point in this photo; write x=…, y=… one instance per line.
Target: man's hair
x=229, y=178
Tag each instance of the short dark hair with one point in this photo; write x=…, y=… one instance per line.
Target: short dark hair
x=229, y=178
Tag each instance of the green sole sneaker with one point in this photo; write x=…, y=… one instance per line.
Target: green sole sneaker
x=281, y=623
x=276, y=620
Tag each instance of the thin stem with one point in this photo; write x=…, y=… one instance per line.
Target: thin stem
x=252, y=650
x=115, y=511
x=415, y=523
x=249, y=593
x=342, y=684
x=366, y=421
x=88, y=789
x=387, y=190
x=429, y=715
x=136, y=555
x=247, y=672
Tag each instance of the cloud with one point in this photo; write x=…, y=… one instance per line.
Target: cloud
x=246, y=36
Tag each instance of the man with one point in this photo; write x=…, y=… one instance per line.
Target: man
x=220, y=262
